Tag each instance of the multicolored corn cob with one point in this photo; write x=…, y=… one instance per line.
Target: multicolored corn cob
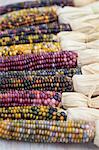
x=42, y=131
x=63, y=59
x=30, y=98
x=28, y=39
x=45, y=83
x=30, y=48
x=33, y=112
x=32, y=4
x=28, y=17
x=51, y=72
x=49, y=28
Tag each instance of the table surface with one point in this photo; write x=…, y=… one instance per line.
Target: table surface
x=13, y=145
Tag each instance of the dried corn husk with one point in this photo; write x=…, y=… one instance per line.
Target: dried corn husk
x=92, y=37
x=82, y=2
x=88, y=56
x=76, y=36
x=94, y=102
x=88, y=18
x=72, y=12
x=72, y=45
x=81, y=19
x=83, y=113
x=86, y=84
x=78, y=12
x=84, y=27
x=82, y=48
x=90, y=69
x=74, y=99
x=93, y=44
x=93, y=6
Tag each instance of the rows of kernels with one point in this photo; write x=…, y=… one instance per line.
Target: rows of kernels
x=32, y=4
x=33, y=129
x=46, y=83
x=31, y=16
x=45, y=131
x=30, y=48
x=47, y=72
x=33, y=112
x=28, y=39
x=15, y=14
x=31, y=97
x=63, y=59
x=54, y=27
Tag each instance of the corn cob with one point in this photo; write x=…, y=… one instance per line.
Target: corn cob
x=30, y=98
x=30, y=48
x=42, y=3
x=51, y=72
x=28, y=39
x=33, y=112
x=63, y=59
x=54, y=27
x=31, y=16
x=42, y=131
x=32, y=4
x=45, y=83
